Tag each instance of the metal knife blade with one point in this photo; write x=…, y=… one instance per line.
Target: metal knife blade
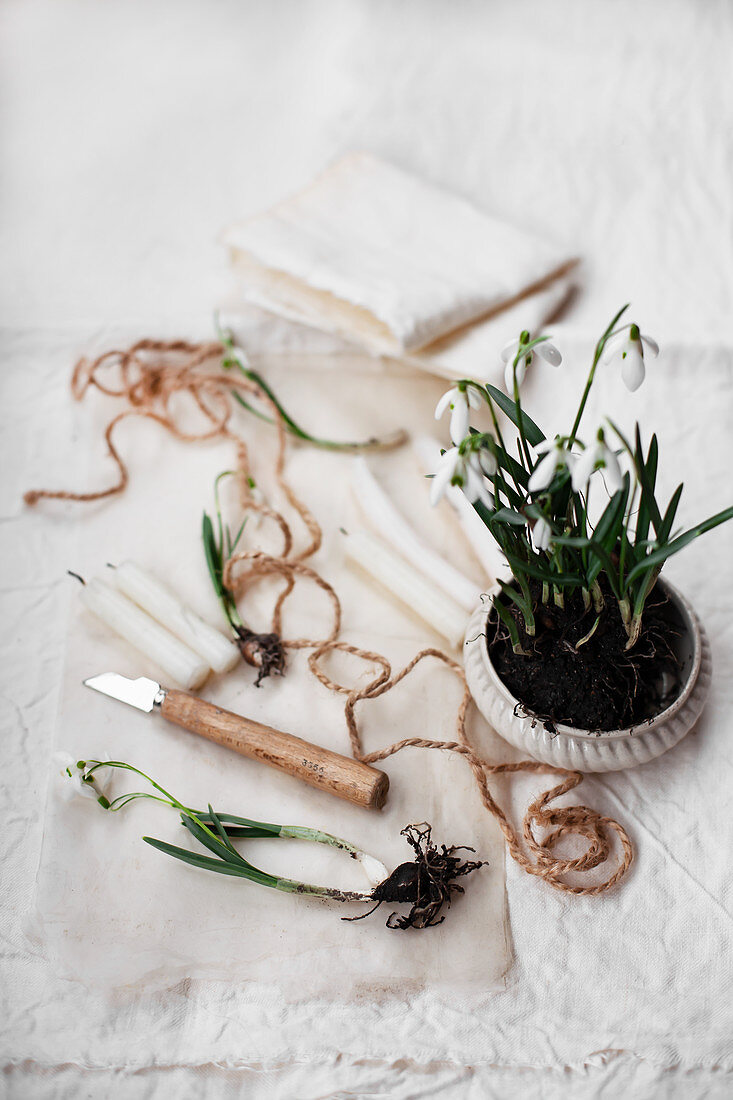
x=141, y=693
x=340, y=775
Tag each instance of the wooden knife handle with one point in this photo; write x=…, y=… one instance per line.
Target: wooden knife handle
x=329, y=771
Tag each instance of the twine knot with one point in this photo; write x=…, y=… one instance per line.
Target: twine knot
x=149, y=386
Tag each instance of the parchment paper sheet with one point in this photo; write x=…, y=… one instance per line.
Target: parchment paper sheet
x=112, y=911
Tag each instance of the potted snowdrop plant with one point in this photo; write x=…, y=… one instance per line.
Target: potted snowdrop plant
x=580, y=654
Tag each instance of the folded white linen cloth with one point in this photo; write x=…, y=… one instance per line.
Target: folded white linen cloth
x=474, y=350
x=471, y=352
x=375, y=254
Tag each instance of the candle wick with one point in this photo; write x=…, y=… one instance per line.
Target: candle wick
x=78, y=577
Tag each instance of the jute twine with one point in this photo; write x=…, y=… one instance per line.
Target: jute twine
x=149, y=375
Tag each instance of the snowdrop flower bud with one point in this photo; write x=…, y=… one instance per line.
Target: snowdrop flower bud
x=510, y=351
x=458, y=401
x=628, y=346
x=597, y=457
x=541, y=534
x=555, y=456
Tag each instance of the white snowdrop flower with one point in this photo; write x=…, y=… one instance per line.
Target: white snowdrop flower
x=72, y=784
x=555, y=456
x=509, y=369
x=474, y=482
x=443, y=476
x=509, y=352
x=597, y=457
x=459, y=422
x=628, y=346
x=541, y=534
x=458, y=401
x=464, y=471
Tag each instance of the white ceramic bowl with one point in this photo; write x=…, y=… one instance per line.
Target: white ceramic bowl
x=584, y=750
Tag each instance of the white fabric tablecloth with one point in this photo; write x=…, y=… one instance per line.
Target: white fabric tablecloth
x=131, y=135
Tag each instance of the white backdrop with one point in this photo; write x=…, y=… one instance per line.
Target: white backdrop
x=132, y=132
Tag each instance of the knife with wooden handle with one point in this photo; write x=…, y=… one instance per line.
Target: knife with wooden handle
x=329, y=771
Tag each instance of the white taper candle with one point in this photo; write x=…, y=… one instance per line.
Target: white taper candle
x=402, y=580
x=150, y=638
x=162, y=604
x=394, y=528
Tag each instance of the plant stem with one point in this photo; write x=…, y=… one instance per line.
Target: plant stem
x=237, y=359
x=596, y=358
x=233, y=863
x=520, y=417
x=634, y=630
x=586, y=637
x=290, y=886
x=598, y=601
x=625, y=609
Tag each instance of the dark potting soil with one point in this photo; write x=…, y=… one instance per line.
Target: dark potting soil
x=601, y=685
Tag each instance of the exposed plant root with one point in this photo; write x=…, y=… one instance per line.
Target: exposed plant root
x=425, y=883
x=264, y=652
